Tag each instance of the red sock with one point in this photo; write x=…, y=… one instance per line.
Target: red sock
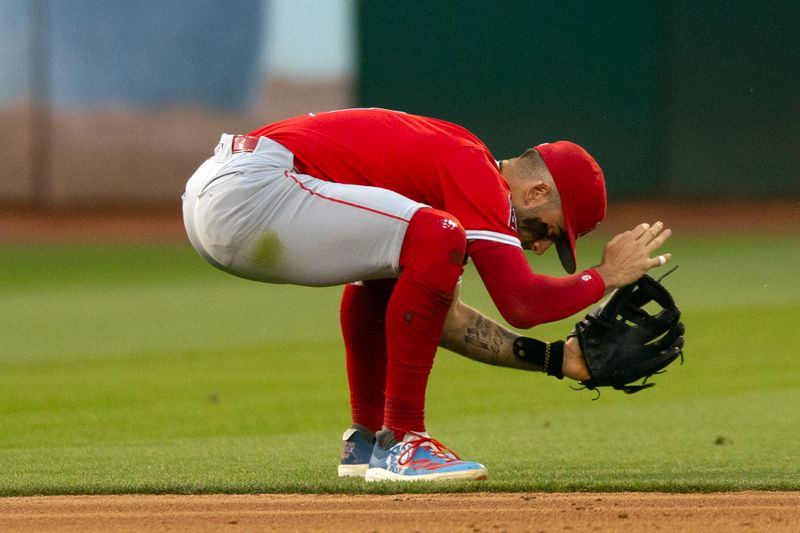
x=431, y=261
x=362, y=315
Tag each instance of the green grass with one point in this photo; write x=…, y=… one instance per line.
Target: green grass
x=142, y=369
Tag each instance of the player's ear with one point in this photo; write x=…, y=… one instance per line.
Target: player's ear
x=537, y=193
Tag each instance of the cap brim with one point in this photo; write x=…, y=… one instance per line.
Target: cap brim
x=565, y=246
x=566, y=253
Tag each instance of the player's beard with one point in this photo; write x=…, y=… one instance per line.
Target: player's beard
x=530, y=223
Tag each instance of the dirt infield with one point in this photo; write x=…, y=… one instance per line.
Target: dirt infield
x=739, y=511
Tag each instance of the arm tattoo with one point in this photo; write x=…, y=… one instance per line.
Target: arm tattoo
x=477, y=337
x=486, y=335
x=488, y=342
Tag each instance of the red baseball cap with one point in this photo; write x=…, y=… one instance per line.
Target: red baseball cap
x=582, y=187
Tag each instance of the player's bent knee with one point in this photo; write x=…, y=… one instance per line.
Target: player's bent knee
x=438, y=234
x=433, y=248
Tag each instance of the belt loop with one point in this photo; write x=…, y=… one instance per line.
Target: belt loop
x=223, y=149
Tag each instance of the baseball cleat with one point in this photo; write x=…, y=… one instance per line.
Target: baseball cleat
x=357, y=449
x=418, y=458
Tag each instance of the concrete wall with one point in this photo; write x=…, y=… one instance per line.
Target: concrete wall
x=116, y=103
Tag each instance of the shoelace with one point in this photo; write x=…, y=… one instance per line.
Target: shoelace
x=437, y=449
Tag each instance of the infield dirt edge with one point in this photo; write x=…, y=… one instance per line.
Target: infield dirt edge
x=585, y=511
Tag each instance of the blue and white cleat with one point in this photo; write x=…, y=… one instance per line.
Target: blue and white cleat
x=357, y=449
x=419, y=458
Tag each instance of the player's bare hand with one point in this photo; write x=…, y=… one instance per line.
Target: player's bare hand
x=574, y=365
x=628, y=256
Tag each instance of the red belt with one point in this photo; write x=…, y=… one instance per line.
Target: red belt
x=244, y=143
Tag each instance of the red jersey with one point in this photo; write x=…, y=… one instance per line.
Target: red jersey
x=446, y=167
x=425, y=159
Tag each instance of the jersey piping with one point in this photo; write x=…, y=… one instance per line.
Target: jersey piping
x=476, y=234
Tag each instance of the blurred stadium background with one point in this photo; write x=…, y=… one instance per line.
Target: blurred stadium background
x=114, y=103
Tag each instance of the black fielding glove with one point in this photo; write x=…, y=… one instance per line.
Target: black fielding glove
x=623, y=343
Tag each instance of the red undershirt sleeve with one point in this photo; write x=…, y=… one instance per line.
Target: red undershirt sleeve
x=525, y=298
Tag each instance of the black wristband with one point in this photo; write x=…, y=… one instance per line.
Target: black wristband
x=531, y=350
x=555, y=361
x=548, y=355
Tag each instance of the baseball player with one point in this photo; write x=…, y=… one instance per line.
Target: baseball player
x=392, y=205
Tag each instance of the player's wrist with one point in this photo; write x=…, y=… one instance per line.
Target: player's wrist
x=574, y=363
x=608, y=277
